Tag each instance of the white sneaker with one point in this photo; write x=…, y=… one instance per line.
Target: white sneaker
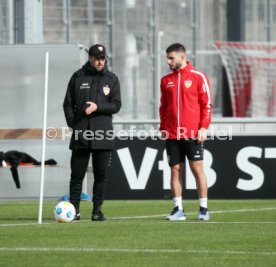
x=177, y=215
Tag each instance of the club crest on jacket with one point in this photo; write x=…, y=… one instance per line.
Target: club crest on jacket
x=106, y=90
x=188, y=83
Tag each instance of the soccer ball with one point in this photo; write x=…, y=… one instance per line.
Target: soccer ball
x=64, y=212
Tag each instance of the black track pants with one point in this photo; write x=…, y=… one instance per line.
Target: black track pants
x=79, y=164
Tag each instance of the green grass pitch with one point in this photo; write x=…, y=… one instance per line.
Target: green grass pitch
x=240, y=233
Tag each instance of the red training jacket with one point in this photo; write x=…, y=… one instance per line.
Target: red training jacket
x=186, y=103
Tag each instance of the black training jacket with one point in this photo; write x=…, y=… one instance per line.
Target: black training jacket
x=102, y=88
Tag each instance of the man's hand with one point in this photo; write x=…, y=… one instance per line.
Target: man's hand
x=202, y=135
x=91, y=107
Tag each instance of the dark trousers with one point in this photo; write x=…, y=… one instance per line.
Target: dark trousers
x=79, y=163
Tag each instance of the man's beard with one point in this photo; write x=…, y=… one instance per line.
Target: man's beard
x=177, y=66
x=97, y=70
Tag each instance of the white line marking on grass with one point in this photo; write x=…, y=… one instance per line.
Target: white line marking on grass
x=256, y=253
x=122, y=250
x=124, y=218
x=210, y=222
x=243, y=210
x=164, y=215
x=23, y=224
x=138, y=217
x=91, y=250
x=211, y=212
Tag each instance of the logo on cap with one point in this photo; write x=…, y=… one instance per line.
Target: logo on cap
x=100, y=48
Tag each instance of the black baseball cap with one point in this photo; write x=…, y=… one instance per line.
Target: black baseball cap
x=97, y=51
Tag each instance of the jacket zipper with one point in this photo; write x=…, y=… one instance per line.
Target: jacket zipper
x=178, y=101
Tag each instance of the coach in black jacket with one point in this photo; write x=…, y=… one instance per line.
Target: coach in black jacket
x=92, y=96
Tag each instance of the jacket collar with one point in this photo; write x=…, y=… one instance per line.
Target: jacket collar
x=187, y=68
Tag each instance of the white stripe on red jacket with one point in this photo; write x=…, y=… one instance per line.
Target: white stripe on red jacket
x=186, y=104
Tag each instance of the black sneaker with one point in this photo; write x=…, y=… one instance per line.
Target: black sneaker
x=97, y=215
x=76, y=204
x=203, y=214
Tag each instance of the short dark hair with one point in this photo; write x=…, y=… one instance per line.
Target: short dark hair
x=176, y=47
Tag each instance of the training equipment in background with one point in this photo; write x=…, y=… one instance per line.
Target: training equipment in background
x=14, y=158
x=64, y=212
x=84, y=197
x=250, y=69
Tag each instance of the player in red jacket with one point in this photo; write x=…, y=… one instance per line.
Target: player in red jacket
x=185, y=115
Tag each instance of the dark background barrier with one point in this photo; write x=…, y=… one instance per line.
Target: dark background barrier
x=244, y=167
